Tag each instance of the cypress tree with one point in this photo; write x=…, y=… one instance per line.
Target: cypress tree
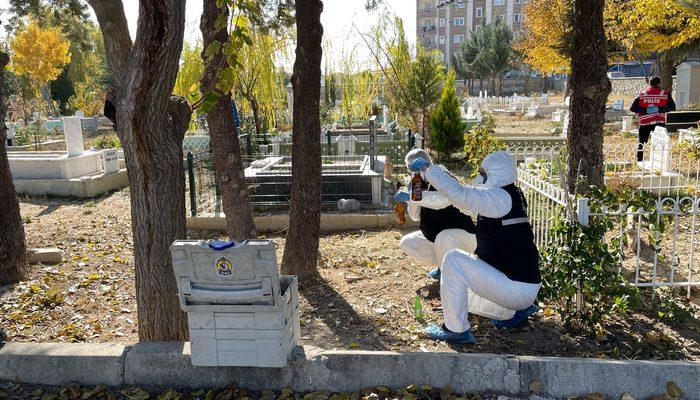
x=446, y=125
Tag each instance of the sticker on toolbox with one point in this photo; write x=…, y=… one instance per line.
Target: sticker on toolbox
x=214, y=266
x=223, y=266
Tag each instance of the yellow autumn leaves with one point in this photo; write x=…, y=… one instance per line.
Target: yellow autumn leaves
x=652, y=25
x=39, y=53
x=546, y=23
x=644, y=26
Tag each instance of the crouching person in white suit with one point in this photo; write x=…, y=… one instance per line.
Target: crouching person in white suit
x=442, y=226
x=504, y=268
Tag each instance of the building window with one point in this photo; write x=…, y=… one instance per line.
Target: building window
x=427, y=42
x=428, y=7
x=457, y=39
x=516, y=17
x=460, y=4
x=459, y=21
x=479, y=12
x=516, y=1
x=477, y=28
x=427, y=23
x=442, y=39
x=499, y=2
x=442, y=21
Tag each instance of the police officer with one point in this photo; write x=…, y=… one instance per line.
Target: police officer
x=651, y=106
x=504, y=268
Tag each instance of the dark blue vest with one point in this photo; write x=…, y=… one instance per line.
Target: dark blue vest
x=433, y=222
x=507, y=243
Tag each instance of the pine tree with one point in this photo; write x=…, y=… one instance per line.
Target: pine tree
x=446, y=125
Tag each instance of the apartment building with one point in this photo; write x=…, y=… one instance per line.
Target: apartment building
x=444, y=24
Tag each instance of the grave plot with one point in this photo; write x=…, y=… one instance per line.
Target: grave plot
x=74, y=173
x=343, y=177
x=667, y=168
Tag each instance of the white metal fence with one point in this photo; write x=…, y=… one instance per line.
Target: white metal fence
x=651, y=256
x=513, y=103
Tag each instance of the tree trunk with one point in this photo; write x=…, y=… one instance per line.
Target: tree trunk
x=256, y=118
x=301, y=247
x=151, y=125
x=544, y=83
x=13, y=250
x=226, y=148
x=590, y=88
x=666, y=70
x=526, y=91
x=425, y=121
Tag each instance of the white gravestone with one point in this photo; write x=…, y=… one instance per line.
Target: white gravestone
x=687, y=83
x=346, y=145
x=688, y=135
x=470, y=113
x=419, y=141
x=567, y=101
x=385, y=117
x=276, y=146
x=558, y=115
x=544, y=99
x=565, y=125
x=110, y=159
x=79, y=113
x=10, y=131
x=74, y=136
x=532, y=111
x=659, y=150
x=627, y=123
x=619, y=104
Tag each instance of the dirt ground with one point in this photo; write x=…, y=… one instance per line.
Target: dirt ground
x=363, y=301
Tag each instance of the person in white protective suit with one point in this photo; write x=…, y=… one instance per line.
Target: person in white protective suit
x=442, y=226
x=504, y=268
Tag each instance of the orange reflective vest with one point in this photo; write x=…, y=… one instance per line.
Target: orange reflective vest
x=652, y=97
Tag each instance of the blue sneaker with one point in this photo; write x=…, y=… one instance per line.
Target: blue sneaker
x=434, y=274
x=439, y=332
x=519, y=317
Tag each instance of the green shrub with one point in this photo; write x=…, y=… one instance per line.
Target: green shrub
x=28, y=134
x=479, y=142
x=107, y=142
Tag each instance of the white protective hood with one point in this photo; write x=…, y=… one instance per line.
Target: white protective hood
x=500, y=169
x=416, y=153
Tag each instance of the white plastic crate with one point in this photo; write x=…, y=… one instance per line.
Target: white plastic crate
x=240, y=312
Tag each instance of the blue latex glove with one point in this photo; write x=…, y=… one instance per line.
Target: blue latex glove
x=419, y=164
x=652, y=110
x=402, y=197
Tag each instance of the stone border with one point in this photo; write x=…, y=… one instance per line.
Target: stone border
x=81, y=187
x=168, y=364
x=330, y=222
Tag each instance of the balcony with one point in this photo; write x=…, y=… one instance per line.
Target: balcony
x=428, y=28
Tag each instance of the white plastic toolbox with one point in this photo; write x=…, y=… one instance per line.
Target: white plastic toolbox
x=240, y=311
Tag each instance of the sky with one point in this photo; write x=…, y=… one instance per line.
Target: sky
x=338, y=18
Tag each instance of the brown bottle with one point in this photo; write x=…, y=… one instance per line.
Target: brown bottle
x=400, y=210
x=417, y=187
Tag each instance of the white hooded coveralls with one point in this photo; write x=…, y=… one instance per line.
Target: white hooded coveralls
x=415, y=244
x=465, y=278
x=419, y=248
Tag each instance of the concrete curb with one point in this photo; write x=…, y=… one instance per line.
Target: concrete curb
x=60, y=363
x=168, y=364
x=330, y=222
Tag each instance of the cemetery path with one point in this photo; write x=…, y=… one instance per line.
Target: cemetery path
x=364, y=300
